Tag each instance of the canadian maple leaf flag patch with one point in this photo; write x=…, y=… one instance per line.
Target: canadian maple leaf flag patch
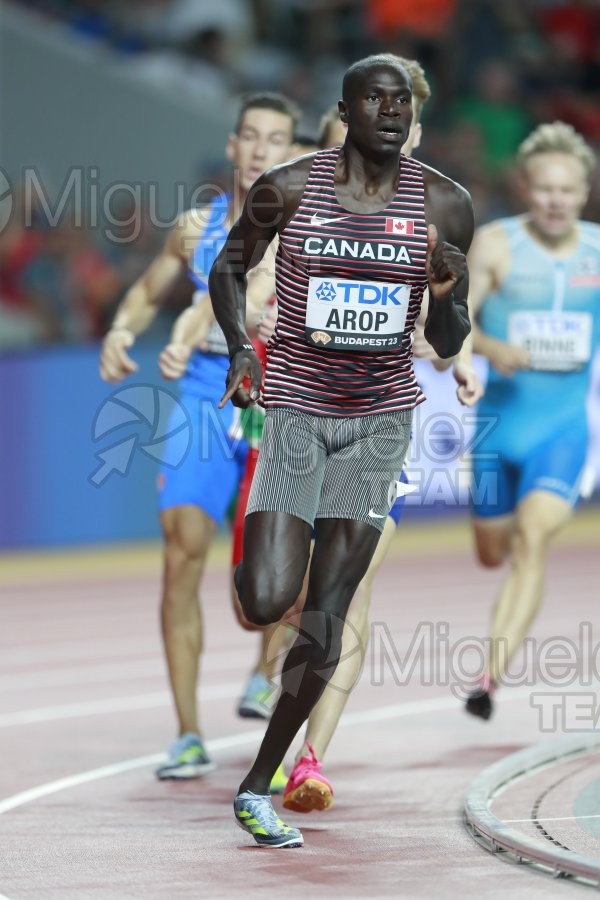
x=399, y=226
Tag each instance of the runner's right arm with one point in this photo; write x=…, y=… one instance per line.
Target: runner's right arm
x=488, y=261
x=141, y=302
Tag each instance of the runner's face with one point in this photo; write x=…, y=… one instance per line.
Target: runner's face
x=556, y=191
x=379, y=113
x=337, y=135
x=263, y=140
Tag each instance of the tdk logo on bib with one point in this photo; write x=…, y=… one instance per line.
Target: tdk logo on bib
x=355, y=315
x=326, y=291
x=361, y=292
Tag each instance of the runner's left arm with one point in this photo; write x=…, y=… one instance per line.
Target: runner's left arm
x=269, y=206
x=449, y=212
x=193, y=324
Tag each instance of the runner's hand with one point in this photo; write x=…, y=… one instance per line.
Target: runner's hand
x=244, y=367
x=173, y=361
x=115, y=363
x=445, y=265
x=508, y=359
x=470, y=388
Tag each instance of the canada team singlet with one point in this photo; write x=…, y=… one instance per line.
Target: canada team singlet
x=349, y=290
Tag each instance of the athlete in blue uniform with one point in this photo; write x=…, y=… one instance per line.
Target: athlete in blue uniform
x=218, y=439
x=195, y=496
x=535, y=293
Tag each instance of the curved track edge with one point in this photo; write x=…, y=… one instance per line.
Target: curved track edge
x=500, y=837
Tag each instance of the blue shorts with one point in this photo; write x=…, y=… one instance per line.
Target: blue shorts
x=204, y=461
x=509, y=463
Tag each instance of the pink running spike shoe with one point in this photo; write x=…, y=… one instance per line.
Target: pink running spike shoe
x=307, y=789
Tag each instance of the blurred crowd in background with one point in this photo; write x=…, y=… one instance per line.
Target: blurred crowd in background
x=496, y=69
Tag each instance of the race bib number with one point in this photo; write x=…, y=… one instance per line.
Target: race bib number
x=355, y=315
x=555, y=341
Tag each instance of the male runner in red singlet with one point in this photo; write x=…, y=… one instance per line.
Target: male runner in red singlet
x=362, y=231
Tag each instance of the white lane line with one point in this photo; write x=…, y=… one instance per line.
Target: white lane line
x=96, y=674
x=552, y=819
x=102, y=673
x=63, y=784
x=111, y=705
x=237, y=740
x=87, y=708
x=155, y=700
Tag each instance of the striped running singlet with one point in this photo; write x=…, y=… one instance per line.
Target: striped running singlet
x=348, y=280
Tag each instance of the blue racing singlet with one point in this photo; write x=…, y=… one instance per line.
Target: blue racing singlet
x=551, y=307
x=206, y=251
x=531, y=427
x=211, y=453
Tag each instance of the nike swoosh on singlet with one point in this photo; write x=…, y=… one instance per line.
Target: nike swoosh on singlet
x=317, y=220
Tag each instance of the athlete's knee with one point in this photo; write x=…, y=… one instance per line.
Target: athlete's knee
x=246, y=624
x=492, y=547
x=491, y=557
x=242, y=620
x=186, y=540
x=183, y=560
x=265, y=599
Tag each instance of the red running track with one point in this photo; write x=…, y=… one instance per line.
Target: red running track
x=85, y=713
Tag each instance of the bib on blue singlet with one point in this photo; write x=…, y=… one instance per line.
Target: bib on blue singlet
x=555, y=341
x=342, y=314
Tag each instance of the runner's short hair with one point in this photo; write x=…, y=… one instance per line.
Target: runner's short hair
x=268, y=100
x=557, y=137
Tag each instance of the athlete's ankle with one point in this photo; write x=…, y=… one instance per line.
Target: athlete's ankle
x=190, y=728
x=309, y=749
x=256, y=786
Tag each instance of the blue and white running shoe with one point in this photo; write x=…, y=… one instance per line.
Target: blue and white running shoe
x=186, y=758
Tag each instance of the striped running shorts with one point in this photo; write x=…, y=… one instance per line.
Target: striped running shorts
x=321, y=467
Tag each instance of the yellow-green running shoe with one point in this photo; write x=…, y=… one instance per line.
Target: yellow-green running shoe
x=255, y=814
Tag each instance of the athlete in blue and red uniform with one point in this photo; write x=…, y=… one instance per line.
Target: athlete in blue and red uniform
x=194, y=496
x=362, y=232
x=535, y=290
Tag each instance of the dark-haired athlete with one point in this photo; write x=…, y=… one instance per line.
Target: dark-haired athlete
x=362, y=231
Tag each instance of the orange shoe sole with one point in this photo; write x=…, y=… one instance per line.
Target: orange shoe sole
x=309, y=795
